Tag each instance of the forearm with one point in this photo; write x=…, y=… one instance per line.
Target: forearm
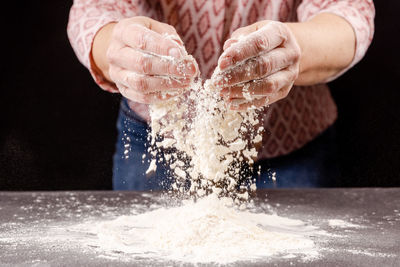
x=99, y=50
x=327, y=44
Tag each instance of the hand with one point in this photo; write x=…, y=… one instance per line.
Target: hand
x=259, y=65
x=147, y=60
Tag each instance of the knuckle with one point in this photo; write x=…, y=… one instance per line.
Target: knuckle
x=274, y=84
x=141, y=42
x=130, y=80
x=111, y=54
x=264, y=66
x=122, y=89
x=261, y=67
x=296, y=56
x=285, y=92
x=170, y=69
x=112, y=72
x=293, y=56
x=140, y=61
x=235, y=58
x=270, y=85
x=260, y=43
x=293, y=76
x=141, y=84
x=145, y=65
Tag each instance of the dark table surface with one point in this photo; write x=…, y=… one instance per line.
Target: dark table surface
x=371, y=236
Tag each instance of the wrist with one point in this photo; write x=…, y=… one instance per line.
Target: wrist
x=100, y=45
x=301, y=33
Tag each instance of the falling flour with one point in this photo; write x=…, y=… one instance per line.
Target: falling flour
x=207, y=147
x=209, y=230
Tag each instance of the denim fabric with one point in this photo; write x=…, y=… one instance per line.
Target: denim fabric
x=129, y=167
x=314, y=165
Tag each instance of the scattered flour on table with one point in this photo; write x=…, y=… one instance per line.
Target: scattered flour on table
x=370, y=253
x=337, y=223
x=209, y=230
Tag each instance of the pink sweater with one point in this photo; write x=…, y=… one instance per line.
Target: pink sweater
x=205, y=25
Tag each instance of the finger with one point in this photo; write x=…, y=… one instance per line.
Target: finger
x=150, y=98
x=229, y=42
x=145, y=83
x=243, y=31
x=164, y=29
x=142, y=38
x=238, y=34
x=258, y=67
x=263, y=40
x=281, y=94
x=262, y=87
x=136, y=61
x=243, y=104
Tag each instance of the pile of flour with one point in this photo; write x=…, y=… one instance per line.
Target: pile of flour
x=209, y=230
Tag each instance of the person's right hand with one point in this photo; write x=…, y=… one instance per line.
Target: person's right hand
x=147, y=60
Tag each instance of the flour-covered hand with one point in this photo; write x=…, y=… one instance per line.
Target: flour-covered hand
x=259, y=65
x=147, y=60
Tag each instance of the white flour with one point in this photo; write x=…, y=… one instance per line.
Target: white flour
x=206, y=142
x=342, y=224
x=210, y=230
x=90, y=228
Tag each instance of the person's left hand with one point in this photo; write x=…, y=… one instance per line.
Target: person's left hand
x=259, y=65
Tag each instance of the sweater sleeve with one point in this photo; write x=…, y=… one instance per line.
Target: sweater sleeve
x=86, y=18
x=360, y=15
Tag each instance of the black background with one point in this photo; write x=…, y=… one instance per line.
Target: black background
x=57, y=128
